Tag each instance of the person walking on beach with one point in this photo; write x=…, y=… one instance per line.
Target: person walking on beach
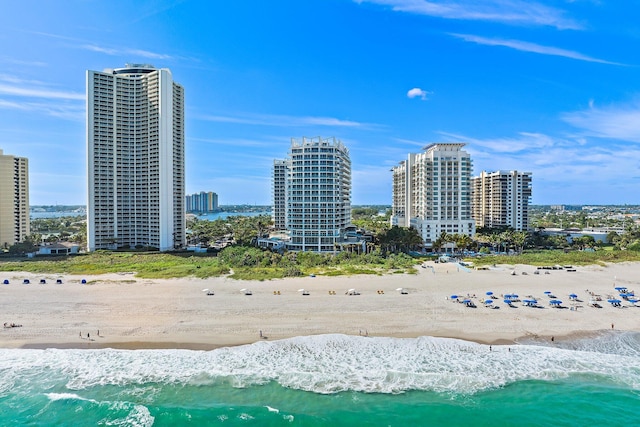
x=260, y=333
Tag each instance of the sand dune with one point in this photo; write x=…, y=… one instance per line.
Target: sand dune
x=140, y=313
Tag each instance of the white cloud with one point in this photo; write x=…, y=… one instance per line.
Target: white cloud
x=125, y=52
x=524, y=142
x=512, y=12
x=530, y=47
x=22, y=62
x=33, y=95
x=417, y=92
x=32, y=92
x=620, y=122
x=284, y=120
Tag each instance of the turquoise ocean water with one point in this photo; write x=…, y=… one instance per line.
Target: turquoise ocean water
x=329, y=380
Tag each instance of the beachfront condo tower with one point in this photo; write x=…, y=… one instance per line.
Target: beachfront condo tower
x=14, y=199
x=314, y=183
x=135, y=159
x=279, y=187
x=431, y=192
x=501, y=199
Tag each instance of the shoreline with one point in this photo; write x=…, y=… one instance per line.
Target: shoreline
x=166, y=345
x=132, y=313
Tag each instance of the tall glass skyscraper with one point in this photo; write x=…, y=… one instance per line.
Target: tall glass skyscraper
x=135, y=158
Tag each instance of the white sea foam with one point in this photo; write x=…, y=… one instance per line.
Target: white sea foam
x=335, y=363
x=66, y=396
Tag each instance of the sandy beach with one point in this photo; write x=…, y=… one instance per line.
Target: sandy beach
x=122, y=311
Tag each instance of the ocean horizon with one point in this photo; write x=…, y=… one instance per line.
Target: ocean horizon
x=329, y=380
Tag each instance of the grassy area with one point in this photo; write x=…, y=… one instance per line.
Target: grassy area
x=240, y=263
x=559, y=257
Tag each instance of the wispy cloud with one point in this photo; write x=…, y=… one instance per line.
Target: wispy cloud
x=512, y=12
x=524, y=142
x=285, y=121
x=32, y=92
x=124, y=52
x=112, y=51
x=620, y=122
x=6, y=60
x=530, y=47
x=416, y=92
x=68, y=111
x=36, y=96
x=235, y=142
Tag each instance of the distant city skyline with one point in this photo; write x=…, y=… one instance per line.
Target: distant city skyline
x=549, y=87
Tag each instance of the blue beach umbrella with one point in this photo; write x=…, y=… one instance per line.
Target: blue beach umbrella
x=454, y=297
x=489, y=293
x=507, y=301
x=555, y=302
x=488, y=301
x=466, y=301
x=573, y=296
x=614, y=301
x=547, y=292
x=620, y=288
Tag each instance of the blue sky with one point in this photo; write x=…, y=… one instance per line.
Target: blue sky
x=550, y=87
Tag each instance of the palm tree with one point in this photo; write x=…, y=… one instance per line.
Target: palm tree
x=519, y=238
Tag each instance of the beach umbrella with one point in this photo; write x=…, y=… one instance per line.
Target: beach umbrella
x=620, y=288
x=489, y=301
x=300, y=290
x=547, y=292
x=614, y=301
x=573, y=296
x=514, y=295
x=205, y=290
x=452, y=296
x=466, y=301
x=489, y=293
x=507, y=301
x=555, y=302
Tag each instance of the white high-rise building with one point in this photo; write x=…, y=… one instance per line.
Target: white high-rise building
x=14, y=199
x=315, y=182
x=279, y=194
x=501, y=199
x=135, y=159
x=431, y=192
